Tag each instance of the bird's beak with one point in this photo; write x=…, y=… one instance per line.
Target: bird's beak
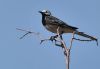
x=40, y=11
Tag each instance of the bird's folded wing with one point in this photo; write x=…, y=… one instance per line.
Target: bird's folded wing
x=55, y=21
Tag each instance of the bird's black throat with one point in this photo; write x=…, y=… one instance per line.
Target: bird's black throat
x=43, y=19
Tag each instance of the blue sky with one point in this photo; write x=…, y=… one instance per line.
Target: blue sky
x=28, y=53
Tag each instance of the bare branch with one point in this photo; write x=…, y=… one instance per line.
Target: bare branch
x=66, y=50
x=58, y=42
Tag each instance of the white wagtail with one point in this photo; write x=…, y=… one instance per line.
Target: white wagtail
x=51, y=23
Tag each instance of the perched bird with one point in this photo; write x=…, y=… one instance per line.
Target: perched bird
x=51, y=23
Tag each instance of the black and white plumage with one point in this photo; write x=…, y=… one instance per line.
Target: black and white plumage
x=51, y=23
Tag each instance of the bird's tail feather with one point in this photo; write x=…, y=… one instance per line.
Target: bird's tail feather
x=87, y=36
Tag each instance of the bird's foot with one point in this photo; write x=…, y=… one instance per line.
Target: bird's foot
x=57, y=42
x=53, y=38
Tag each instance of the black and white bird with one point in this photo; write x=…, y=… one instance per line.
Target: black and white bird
x=51, y=23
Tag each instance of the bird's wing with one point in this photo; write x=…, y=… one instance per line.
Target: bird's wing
x=56, y=21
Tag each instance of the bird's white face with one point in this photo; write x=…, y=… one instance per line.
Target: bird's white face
x=46, y=12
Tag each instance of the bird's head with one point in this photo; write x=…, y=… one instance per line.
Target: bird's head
x=45, y=12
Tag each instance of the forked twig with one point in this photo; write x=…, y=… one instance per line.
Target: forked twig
x=65, y=48
x=62, y=44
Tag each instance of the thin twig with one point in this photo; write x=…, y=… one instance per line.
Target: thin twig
x=86, y=40
x=72, y=40
x=81, y=39
x=27, y=33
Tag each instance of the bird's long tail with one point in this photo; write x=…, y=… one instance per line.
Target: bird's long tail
x=87, y=36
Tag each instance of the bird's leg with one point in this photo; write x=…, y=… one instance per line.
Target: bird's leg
x=53, y=38
x=61, y=37
x=57, y=42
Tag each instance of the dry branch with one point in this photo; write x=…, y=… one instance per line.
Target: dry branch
x=61, y=43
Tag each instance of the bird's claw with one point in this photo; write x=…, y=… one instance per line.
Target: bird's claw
x=53, y=38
